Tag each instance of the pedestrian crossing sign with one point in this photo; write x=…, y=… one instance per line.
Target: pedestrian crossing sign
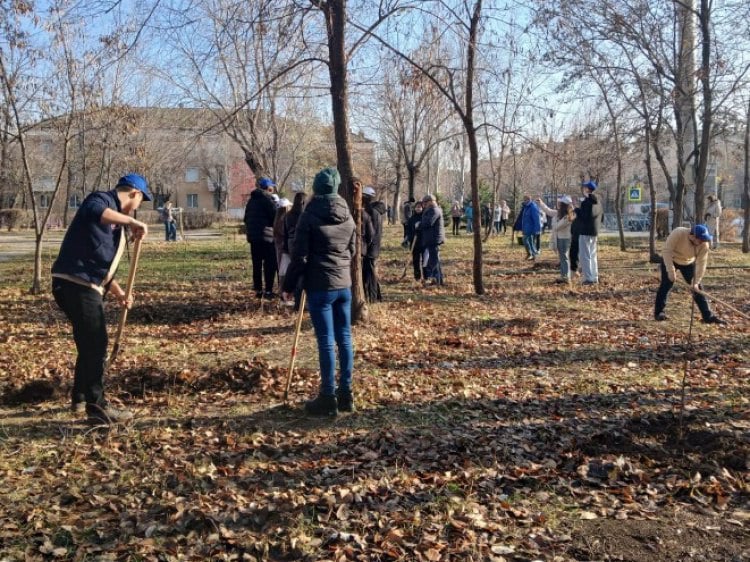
x=635, y=194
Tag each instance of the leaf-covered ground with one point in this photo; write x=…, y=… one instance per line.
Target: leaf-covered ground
x=536, y=422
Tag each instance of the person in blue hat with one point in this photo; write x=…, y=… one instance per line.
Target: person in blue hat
x=589, y=220
x=686, y=250
x=260, y=213
x=83, y=274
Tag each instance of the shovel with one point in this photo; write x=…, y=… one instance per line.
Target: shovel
x=293, y=357
x=128, y=295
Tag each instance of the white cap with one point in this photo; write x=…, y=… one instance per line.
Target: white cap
x=283, y=202
x=368, y=191
x=566, y=199
x=275, y=198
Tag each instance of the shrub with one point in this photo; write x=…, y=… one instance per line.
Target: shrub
x=15, y=218
x=193, y=220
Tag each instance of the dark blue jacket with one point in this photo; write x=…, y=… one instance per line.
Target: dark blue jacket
x=589, y=216
x=260, y=213
x=89, y=246
x=531, y=222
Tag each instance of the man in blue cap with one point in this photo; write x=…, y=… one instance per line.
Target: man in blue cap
x=589, y=220
x=260, y=213
x=83, y=274
x=686, y=250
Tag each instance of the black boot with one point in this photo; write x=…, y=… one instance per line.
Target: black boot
x=345, y=400
x=322, y=406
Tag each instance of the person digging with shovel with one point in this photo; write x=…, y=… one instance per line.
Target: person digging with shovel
x=83, y=274
x=686, y=250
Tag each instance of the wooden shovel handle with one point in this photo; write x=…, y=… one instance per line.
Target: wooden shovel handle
x=128, y=295
x=293, y=356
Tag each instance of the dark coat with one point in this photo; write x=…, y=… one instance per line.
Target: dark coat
x=323, y=247
x=290, y=228
x=372, y=229
x=260, y=212
x=432, y=227
x=89, y=247
x=413, y=232
x=589, y=216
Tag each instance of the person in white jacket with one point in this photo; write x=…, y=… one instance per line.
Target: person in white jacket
x=712, y=216
x=560, y=237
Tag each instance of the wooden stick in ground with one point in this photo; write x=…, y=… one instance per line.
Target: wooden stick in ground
x=128, y=295
x=727, y=305
x=408, y=259
x=293, y=357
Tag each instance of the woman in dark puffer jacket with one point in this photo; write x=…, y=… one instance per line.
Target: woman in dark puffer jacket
x=322, y=253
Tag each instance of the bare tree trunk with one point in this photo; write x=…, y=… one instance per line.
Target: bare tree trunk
x=396, y=206
x=471, y=134
x=707, y=109
x=746, y=193
x=684, y=105
x=335, y=14
x=653, y=256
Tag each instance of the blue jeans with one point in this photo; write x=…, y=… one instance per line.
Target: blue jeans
x=563, y=247
x=331, y=316
x=170, y=231
x=530, y=244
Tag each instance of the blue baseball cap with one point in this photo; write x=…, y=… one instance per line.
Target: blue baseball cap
x=136, y=182
x=591, y=184
x=265, y=183
x=700, y=231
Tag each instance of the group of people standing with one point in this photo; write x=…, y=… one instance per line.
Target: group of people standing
x=497, y=216
x=424, y=234
x=317, y=246
x=574, y=232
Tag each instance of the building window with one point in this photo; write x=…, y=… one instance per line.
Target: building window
x=192, y=201
x=75, y=201
x=192, y=175
x=43, y=201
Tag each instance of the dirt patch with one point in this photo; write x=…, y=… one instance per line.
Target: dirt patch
x=684, y=537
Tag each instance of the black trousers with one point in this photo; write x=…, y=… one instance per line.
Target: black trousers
x=688, y=272
x=456, y=225
x=573, y=253
x=263, y=255
x=416, y=262
x=84, y=308
x=370, y=280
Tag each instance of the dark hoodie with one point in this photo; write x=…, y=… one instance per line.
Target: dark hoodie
x=589, y=216
x=323, y=247
x=372, y=228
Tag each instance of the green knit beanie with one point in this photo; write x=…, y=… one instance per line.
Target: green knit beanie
x=326, y=183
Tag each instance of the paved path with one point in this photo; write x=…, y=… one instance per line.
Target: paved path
x=15, y=245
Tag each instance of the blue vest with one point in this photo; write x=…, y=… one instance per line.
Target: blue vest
x=89, y=247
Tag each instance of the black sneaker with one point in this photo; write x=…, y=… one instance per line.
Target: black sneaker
x=105, y=415
x=258, y=294
x=324, y=406
x=714, y=320
x=345, y=400
x=661, y=317
x=269, y=295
